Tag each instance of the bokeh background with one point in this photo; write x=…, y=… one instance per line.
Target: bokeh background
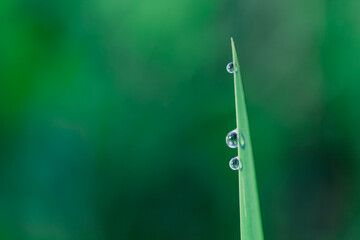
x=113, y=116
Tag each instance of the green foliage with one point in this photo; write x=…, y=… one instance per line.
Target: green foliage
x=113, y=115
x=250, y=214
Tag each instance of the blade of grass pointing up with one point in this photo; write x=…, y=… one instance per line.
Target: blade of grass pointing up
x=250, y=215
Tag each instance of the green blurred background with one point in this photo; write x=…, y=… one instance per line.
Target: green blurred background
x=113, y=116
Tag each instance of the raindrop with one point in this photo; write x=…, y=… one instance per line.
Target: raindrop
x=232, y=139
x=242, y=141
x=230, y=67
x=235, y=164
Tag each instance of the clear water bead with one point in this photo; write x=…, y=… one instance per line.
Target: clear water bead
x=230, y=67
x=232, y=139
x=242, y=141
x=235, y=164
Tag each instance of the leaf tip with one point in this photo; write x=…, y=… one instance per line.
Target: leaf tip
x=233, y=46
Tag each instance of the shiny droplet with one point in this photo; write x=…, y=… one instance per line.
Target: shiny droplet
x=236, y=164
x=242, y=141
x=230, y=67
x=232, y=139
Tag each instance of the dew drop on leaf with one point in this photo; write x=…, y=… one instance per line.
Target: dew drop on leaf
x=230, y=67
x=235, y=164
x=232, y=139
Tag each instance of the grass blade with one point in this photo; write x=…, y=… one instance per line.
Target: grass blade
x=250, y=215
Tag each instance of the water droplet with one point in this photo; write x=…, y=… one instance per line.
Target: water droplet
x=236, y=164
x=242, y=141
x=230, y=67
x=232, y=139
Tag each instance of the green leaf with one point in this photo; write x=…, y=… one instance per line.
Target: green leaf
x=250, y=215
